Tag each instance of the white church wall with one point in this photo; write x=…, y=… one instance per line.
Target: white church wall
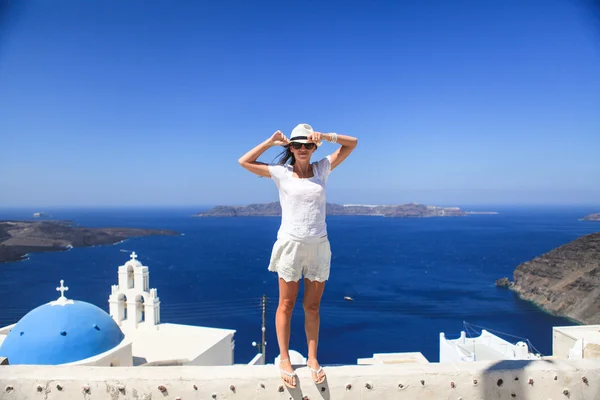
x=6, y=330
x=119, y=356
x=524, y=380
x=220, y=353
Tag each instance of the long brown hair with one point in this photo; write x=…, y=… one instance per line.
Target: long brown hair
x=286, y=156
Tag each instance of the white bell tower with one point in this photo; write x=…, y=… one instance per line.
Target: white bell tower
x=132, y=304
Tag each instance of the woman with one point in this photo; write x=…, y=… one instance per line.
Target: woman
x=302, y=246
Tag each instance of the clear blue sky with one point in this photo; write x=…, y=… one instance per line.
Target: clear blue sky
x=107, y=103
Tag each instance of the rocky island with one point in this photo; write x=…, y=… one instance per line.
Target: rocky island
x=411, y=210
x=564, y=281
x=591, y=217
x=17, y=238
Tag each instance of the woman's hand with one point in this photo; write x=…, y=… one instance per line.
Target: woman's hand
x=314, y=137
x=278, y=139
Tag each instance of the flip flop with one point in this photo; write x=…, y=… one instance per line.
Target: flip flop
x=290, y=374
x=317, y=372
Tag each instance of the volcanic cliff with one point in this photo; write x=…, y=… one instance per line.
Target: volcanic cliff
x=564, y=281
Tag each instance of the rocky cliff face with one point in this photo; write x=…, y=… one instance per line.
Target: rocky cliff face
x=17, y=238
x=564, y=281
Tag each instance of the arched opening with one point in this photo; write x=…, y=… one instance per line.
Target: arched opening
x=130, y=278
x=139, y=307
x=123, y=306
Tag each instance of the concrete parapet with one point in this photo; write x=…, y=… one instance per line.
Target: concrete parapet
x=523, y=379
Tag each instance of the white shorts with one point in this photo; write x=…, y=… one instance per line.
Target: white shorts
x=291, y=259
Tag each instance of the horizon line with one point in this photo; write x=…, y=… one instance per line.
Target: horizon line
x=39, y=208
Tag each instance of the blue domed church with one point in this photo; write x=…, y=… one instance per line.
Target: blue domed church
x=66, y=331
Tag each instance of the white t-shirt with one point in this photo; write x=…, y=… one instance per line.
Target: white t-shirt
x=302, y=201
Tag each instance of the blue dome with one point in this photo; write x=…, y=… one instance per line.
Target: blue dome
x=57, y=334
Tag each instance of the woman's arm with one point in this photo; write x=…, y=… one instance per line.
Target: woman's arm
x=348, y=144
x=249, y=162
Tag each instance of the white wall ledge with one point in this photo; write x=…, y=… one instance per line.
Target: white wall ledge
x=543, y=379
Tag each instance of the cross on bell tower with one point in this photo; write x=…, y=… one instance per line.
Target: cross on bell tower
x=132, y=303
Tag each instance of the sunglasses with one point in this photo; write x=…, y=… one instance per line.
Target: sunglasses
x=298, y=146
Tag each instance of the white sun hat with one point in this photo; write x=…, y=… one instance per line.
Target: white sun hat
x=300, y=134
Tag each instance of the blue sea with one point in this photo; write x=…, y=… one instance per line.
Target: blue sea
x=410, y=278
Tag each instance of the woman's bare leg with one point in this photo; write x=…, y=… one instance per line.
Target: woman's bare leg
x=288, y=291
x=313, y=291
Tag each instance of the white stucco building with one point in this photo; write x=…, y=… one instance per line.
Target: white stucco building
x=576, y=342
x=486, y=347
x=135, y=307
x=80, y=333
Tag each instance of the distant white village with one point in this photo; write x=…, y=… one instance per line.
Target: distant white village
x=76, y=333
